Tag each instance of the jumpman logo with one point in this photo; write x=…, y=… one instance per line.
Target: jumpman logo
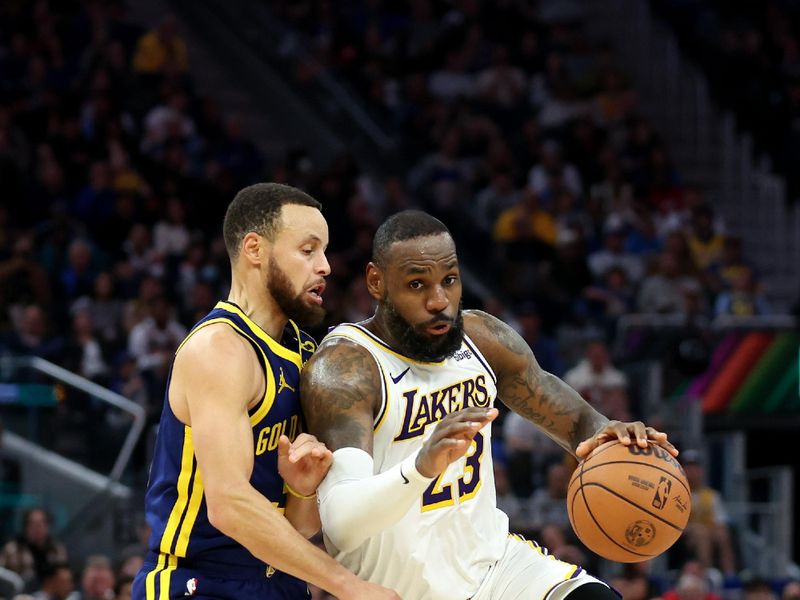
x=282, y=384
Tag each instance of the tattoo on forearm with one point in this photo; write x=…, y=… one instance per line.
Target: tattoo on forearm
x=540, y=397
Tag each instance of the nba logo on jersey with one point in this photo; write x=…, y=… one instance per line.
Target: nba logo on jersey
x=191, y=587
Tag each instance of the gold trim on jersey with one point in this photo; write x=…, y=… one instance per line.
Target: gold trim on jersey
x=381, y=418
x=384, y=409
x=269, y=395
x=384, y=346
x=187, y=466
x=274, y=345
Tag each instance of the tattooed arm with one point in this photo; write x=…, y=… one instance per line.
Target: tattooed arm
x=340, y=390
x=543, y=398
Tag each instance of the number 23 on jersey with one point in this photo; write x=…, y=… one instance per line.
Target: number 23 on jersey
x=439, y=495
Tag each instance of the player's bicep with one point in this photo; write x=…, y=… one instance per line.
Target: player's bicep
x=340, y=388
x=217, y=374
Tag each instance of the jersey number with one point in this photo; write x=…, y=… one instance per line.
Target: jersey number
x=438, y=495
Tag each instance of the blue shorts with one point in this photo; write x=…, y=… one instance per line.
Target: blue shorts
x=158, y=583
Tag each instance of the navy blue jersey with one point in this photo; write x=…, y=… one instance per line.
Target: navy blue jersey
x=175, y=503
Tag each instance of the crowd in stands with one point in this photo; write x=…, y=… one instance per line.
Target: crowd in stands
x=750, y=52
x=522, y=134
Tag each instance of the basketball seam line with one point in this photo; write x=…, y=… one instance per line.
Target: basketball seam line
x=632, y=503
x=633, y=462
x=599, y=527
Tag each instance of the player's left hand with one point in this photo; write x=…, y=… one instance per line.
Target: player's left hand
x=303, y=463
x=627, y=434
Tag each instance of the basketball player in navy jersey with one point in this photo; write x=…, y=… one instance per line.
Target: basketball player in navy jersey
x=405, y=400
x=232, y=491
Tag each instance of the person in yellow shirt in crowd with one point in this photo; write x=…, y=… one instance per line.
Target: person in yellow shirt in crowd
x=161, y=50
x=708, y=533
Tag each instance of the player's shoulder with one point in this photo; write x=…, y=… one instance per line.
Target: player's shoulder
x=338, y=357
x=484, y=328
x=213, y=347
x=496, y=339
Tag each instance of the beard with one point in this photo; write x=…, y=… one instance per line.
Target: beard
x=417, y=345
x=293, y=305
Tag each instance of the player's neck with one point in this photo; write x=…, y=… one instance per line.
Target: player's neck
x=376, y=325
x=260, y=308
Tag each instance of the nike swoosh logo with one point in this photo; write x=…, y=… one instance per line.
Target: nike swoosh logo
x=399, y=377
x=405, y=479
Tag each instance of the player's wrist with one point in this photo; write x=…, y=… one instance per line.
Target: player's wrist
x=411, y=469
x=299, y=492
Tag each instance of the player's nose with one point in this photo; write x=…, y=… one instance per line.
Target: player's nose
x=437, y=300
x=323, y=266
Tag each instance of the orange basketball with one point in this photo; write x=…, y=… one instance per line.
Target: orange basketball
x=627, y=503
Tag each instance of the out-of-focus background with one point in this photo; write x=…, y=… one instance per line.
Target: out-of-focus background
x=621, y=177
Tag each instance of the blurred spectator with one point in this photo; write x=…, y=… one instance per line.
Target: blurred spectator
x=161, y=50
x=707, y=535
x=22, y=279
x=731, y=266
x=153, y=343
x=554, y=538
x=791, y=591
x=31, y=336
x=57, y=583
x=666, y=290
x=594, y=377
x=507, y=501
x=525, y=229
x=545, y=349
x=758, y=589
x=78, y=275
x=83, y=353
x=530, y=453
x=105, y=309
x=548, y=505
x=34, y=550
x=632, y=584
x=554, y=174
x=97, y=579
x=704, y=242
x=124, y=588
x=613, y=254
x=690, y=587
x=171, y=235
x=743, y=299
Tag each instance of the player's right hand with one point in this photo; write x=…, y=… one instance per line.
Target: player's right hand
x=451, y=438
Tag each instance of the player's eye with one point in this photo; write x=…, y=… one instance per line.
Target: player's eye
x=450, y=280
x=415, y=285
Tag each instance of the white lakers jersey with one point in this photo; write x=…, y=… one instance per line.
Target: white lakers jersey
x=445, y=544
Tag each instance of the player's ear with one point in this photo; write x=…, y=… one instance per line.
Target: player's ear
x=375, y=281
x=253, y=247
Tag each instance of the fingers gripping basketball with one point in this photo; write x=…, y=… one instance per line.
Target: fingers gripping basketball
x=627, y=503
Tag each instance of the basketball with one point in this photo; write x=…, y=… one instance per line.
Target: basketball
x=628, y=504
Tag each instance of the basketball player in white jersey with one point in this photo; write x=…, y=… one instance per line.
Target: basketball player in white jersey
x=405, y=401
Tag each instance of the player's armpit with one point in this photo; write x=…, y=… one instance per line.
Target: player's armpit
x=340, y=391
x=529, y=390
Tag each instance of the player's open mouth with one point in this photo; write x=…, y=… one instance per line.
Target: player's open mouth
x=439, y=329
x=315, y=293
